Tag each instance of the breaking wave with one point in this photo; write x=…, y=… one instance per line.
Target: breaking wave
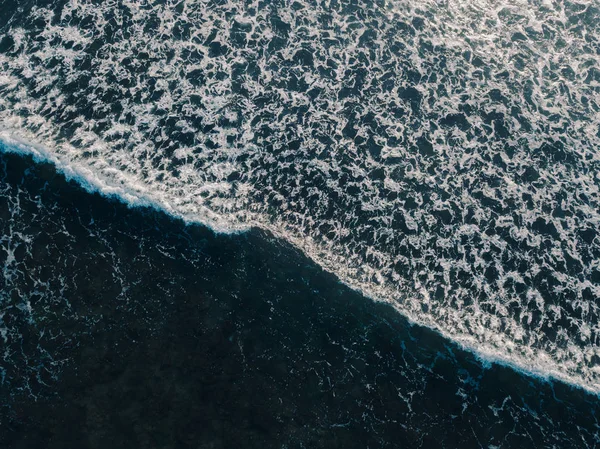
x=443, y=158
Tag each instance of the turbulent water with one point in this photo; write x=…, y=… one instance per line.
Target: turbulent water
x=441, y=156
x=124, y=328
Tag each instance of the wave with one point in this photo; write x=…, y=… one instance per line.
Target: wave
x=134, y=198
x=441, y=158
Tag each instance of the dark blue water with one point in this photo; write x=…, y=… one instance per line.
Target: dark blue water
x=300, y=224
x=126, y=328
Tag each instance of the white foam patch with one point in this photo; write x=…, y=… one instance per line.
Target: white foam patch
x=441, y=158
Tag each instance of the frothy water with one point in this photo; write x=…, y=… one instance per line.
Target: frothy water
x=442, y=157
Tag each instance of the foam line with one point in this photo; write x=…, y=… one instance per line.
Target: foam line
x=94, y=183
x=10, y=143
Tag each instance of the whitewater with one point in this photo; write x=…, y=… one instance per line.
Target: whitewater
x=442, y=158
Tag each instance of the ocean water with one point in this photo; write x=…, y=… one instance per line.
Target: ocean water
x=299, y=223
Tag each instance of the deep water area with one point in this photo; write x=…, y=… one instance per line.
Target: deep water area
x=124, y=327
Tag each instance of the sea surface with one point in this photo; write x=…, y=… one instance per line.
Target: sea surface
x=299, y=224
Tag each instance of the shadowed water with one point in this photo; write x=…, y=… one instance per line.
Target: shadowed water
x=126, y=328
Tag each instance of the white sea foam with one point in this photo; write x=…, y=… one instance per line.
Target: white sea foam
x=446, y=162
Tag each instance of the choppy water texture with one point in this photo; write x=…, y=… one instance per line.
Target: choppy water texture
x=441, y=156
x=127, y=329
